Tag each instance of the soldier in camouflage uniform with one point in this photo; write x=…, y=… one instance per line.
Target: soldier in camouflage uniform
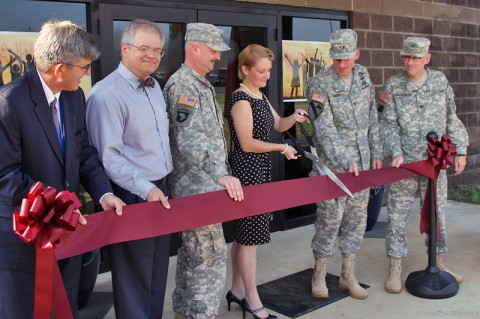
x=199, y=155
x=413, y=103
x=342, y=99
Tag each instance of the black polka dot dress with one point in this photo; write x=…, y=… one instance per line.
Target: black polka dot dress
x=252, y=168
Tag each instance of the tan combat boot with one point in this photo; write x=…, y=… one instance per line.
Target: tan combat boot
x=348, y=281
x=442, y=267
x=394, y=282
x=319, y=286
x=179, y=315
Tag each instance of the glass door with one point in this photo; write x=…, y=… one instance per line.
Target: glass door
x=172, y=21
x=238, y=33
x=240, y=30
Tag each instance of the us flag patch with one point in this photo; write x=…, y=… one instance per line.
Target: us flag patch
x=187, y=100
x=384, y=97
x=318, y=98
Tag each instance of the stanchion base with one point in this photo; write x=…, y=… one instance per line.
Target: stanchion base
x=431, y=283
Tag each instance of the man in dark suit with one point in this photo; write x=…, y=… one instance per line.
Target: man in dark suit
x=37, y=144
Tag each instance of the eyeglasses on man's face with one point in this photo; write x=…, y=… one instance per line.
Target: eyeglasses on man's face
x=85, y=68
x=414, y=59
x=147, y=50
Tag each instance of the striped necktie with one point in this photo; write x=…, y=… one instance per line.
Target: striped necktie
x=56, y=122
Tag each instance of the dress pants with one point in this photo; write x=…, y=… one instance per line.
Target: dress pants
x=139, y=270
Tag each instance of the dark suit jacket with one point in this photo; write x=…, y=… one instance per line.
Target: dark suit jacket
x=30, y=152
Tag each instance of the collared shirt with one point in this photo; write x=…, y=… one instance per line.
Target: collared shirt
x=50, y=97
x=128, y=125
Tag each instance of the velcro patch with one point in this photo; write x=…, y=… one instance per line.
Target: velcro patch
x=384, y=97
x=182, y=115
x=187, y=101
x=317, y=97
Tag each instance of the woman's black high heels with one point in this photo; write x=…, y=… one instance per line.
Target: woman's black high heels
x=245, y=306
x=254, y=312
x=232, y=298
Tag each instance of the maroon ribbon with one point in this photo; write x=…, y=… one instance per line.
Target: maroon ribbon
x=152, y=219
x=45, y=219
x=442, y=155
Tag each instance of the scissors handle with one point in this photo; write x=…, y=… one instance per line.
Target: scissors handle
x=305, y=133
x=299, y=148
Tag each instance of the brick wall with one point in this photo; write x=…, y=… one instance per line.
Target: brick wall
x=455, y=51
x=453, y=27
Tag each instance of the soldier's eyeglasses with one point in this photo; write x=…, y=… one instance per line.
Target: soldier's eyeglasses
x=414, y=59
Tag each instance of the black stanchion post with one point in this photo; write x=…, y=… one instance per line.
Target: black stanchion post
x=432, y=229
x=431, y=283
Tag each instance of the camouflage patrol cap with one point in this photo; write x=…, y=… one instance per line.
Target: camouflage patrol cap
x=343, y=44
x=415, y=46
x=208, y=34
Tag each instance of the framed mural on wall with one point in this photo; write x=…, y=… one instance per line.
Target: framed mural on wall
x=301, y=61
x=16, y=57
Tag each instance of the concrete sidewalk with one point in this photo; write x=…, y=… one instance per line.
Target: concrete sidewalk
x=290, y=252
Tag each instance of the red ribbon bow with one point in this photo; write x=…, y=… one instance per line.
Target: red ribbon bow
x=45, y=218
x=441, y=153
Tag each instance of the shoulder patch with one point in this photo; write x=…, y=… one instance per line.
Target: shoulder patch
x=187, y=101
x=317, y=97
x=184, y=116
x=384, y=97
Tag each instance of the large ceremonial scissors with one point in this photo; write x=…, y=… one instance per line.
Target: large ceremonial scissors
x=313, y=156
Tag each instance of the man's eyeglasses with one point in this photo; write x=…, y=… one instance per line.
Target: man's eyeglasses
x=85, y=68
x=414, y=59
x=147, y=50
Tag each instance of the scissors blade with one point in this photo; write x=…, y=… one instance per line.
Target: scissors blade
x=313, y=150
x=323, y=168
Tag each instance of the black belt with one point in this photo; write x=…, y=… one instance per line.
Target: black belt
x=160, y=181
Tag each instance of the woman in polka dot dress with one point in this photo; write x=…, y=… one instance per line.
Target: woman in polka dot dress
x=251, y=118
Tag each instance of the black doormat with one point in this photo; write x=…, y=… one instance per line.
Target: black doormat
x=291, y=295
x=378, y=231
x=98, y=306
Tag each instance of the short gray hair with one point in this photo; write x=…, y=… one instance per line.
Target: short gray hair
x=129, y=32
x=63, y=42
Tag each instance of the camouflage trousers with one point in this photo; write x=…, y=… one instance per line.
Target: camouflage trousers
x=348, y=222
x=400, y=196
x=201, y=271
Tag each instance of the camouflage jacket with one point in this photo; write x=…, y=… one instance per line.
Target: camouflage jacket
x=408, y=113
x=347, y=127
x=199, y=151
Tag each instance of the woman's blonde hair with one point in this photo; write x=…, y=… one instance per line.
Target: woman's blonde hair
x=250, y=55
